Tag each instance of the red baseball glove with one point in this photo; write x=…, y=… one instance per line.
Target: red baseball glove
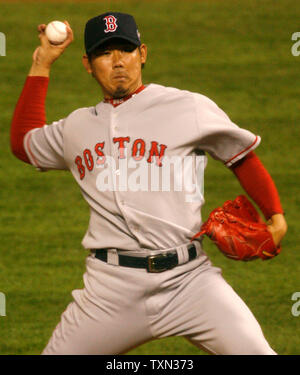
x=239, y=232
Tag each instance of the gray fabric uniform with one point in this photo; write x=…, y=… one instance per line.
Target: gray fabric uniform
x=132, y=163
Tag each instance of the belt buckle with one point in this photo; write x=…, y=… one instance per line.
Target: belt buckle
x=151, y=263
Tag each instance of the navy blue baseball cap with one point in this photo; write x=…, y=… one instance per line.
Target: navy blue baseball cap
x=110, y=25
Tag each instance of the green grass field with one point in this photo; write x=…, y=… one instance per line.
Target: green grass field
x=236, y=52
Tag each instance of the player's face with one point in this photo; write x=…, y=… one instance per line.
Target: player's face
x=117, y=67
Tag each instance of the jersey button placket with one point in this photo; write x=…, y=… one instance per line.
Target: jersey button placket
x=113, y=131
x=115, y=153
x=114, y=123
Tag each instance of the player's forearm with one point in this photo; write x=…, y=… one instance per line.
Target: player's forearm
x=258, y=184
x=29, y=113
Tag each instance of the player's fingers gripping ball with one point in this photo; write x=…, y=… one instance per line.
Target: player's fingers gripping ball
x=239, y=232
x=56, y=32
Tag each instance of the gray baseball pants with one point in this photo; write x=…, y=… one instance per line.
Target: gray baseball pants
x=120, y=308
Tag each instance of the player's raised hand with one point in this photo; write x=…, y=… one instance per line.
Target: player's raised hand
x=46, y=53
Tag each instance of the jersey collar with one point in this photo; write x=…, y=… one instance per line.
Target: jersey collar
x=116, y=102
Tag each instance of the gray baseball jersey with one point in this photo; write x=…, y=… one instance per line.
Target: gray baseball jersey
x=140, y=167
x=120, y=157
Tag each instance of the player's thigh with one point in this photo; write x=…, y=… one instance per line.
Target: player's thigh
x=226, y=324
x=107, y=316
x=94, y=331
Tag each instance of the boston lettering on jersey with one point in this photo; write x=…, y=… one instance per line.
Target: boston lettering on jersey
x=138, y=151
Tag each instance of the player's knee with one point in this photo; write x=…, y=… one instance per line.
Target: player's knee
x=260, y=350
x=255, y=344
x=260, y=347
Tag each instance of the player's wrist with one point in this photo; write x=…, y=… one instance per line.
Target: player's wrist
x=278, y=227
x=42, y=70
x=278, y=221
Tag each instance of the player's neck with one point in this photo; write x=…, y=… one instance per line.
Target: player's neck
x=115, y=102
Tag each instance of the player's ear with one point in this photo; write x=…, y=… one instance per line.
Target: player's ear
x=143, y=52
x=86, y=63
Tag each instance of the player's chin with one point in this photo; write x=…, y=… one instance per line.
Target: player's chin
x=120, y=91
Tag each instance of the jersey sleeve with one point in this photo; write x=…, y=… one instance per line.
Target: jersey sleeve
x=45, y=146
x=219, y=136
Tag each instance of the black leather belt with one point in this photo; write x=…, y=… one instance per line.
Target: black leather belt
x=152, y=263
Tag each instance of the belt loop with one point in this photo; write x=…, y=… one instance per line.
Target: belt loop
x=183, y=254
x=112, y=257
x=198, y=247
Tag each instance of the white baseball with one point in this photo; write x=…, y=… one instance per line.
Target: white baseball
x=56, y=32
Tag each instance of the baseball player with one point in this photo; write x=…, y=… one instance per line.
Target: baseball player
x=145, y=279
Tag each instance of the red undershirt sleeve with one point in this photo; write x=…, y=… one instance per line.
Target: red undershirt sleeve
x=29, y=113
x=258, y=184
